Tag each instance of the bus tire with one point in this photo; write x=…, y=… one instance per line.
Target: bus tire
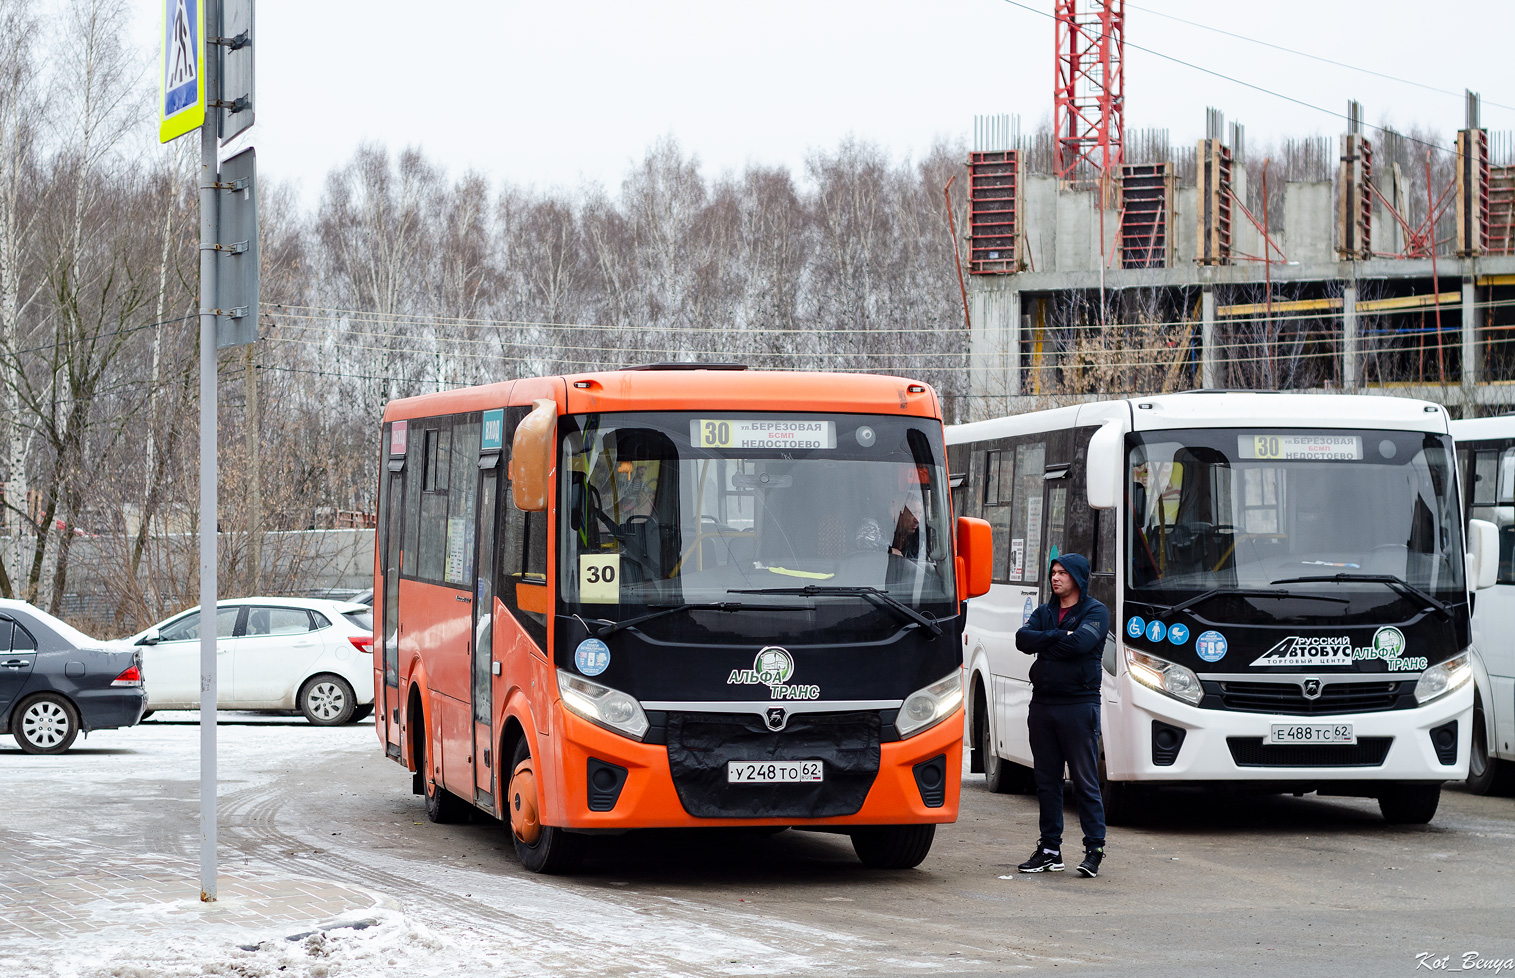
x=1487, y=775
x=327, y=700
x=45, y=724
x=1123, y=801
x=442, y=806
x=1409, y=804
x=1000, y=776
x=892, y=846
x=541, y=848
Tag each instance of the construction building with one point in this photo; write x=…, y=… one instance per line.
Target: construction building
x=1101, y=262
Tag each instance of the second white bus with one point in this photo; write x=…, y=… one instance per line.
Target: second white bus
x=1287, y=582
x=1486, y=457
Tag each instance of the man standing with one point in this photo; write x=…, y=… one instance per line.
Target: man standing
x=1067, y=636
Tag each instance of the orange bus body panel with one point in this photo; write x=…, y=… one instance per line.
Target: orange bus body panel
x=650, y=800
x=434, y=631
x=688, y=390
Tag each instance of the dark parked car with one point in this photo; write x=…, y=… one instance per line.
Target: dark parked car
x=56, y=681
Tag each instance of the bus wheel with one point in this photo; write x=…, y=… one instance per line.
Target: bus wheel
x=442, y=806
x=893, y=846
x=541, y=848
x=1487, y=775
x=1124, y=802
x=1409, y=804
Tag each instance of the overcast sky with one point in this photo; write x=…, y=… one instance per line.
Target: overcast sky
x=557, y=93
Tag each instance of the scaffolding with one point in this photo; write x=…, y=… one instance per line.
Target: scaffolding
x=1089, y=91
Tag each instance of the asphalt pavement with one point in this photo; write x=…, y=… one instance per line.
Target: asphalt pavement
x=323, y=842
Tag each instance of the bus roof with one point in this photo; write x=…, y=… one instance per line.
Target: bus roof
x=692, y=389
x=1222, y=409
x=1485, y=429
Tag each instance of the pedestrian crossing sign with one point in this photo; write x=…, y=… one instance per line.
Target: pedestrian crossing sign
x=181, y=77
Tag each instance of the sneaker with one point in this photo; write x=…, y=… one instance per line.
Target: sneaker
x=1043, y=860
x=1090, y=866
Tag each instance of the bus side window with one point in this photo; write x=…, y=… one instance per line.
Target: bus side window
x=431, y=558
x=1492, y=495
x=1026, y=513
x=521, y=578
x=998, y=482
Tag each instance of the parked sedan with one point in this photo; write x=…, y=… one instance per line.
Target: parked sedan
x=56, y=681
x=305, y=654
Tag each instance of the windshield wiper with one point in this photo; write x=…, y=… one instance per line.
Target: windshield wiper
x=613, y=627
x=1248, y=592
x=835, y=589
x=1392, y=580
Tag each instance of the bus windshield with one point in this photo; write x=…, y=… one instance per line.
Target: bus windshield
x=1220, y=508
x=786, y=514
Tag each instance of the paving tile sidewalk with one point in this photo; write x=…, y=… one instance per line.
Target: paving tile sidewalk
x=52, y=889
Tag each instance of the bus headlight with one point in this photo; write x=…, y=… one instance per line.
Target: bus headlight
x=925, y=708
x=610, y=708
x=1166, y=677
x=1443, y=678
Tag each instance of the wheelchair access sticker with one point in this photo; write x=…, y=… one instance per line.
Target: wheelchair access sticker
x=600, y=578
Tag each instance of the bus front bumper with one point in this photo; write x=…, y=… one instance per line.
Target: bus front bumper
x=648, y=797
x=1227, y=745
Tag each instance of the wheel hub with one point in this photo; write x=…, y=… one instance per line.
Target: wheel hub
x=326, y=700
x=45, y=724
x=522, y=799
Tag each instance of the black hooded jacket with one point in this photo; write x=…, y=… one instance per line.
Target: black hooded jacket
x=1067, y=653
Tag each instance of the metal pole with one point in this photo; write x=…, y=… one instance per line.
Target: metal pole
x=1349, y=337
x=1209, y=374
x=208, y=234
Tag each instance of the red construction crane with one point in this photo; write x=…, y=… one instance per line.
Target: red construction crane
x=1089, y=97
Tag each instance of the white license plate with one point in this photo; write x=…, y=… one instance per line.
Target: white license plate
x=774, y=772
x=1312, y=733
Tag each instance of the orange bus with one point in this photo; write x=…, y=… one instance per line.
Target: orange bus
x=676, y=596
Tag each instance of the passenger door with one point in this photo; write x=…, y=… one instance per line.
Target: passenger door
x=274, y=651
x=171, y=668
x=387, y=620
x=482, y=646
x=18, y=654
x=1491, y=492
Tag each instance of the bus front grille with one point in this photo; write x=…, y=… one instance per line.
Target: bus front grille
x=1287, y=697
x=1252, y=752
x=701, y=744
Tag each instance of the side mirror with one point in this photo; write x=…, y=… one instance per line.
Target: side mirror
x=1102, y=467
x=1483, y=554
x=151, y=638
x=531, y=456
x=975, y=557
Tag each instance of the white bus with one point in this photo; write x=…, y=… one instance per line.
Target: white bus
x=1287, y=583
x=1486, y=460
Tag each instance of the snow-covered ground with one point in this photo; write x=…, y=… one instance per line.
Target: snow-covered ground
x=320, y=803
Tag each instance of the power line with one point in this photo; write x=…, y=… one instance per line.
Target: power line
x=1237, y=81
x=1312, y=57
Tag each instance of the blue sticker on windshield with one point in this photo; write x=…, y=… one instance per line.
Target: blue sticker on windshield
x=1211, y=646
x=1155, y=631
x=1178, y=634
x=592, y=657
x=1136, y=626
x=1026, y=611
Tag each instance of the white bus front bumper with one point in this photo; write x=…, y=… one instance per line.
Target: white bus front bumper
x=1205, y=754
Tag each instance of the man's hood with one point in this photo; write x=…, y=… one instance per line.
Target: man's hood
x=1077, y=567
